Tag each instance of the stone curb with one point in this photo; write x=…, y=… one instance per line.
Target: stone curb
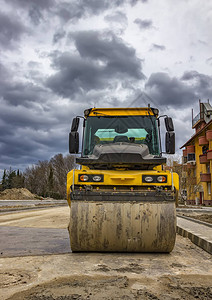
x=196, y=239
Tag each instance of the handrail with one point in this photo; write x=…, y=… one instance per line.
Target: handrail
x=198, y=117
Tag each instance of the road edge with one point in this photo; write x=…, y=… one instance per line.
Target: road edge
x=195, y=239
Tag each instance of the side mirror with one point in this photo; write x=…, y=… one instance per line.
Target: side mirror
x=170, y=142
x=75, y=124
x=169, y=124
x=73, y=142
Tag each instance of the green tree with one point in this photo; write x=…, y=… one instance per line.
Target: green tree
x=10, y=178
x=18, y=180
x=4, y=180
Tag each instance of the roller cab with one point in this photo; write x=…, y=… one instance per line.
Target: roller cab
x=120, y=198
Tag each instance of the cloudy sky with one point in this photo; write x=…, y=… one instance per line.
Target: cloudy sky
x=58, y=58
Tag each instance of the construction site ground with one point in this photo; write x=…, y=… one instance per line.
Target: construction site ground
x=36, y=263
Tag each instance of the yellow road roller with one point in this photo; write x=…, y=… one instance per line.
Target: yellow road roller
x=120, y=198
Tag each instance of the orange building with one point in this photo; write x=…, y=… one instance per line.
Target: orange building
x=197, y=158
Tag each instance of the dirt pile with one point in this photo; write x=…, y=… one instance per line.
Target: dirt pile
x=205, y=218
x=119, y=288
x=17, y=194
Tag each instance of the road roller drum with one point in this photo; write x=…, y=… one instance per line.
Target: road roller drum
x=122, y=226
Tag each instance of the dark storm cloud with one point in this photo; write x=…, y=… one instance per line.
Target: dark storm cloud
x=118, y=57
x=11, y=31
x=143, y=24
x=15, y=92
x=103, y=60
x=29, y=134
x=75, y=75
x=156, y=47
x=202, y=82
x=175, y=92
x=19, y=93
x=169, y=91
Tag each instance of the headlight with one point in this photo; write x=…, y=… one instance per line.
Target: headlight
x=148, y=179
x=97, y=178
x=161, y=179
x=154, y=178
x=91, y=178
x=84, y=178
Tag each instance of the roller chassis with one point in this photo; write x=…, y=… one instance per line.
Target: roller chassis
x=144, y=196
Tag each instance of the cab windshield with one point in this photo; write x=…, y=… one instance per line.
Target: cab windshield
x=123, y=129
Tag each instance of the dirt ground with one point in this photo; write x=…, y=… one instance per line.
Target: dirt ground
x=203, y=217
x=47, y=218
x=185, y=273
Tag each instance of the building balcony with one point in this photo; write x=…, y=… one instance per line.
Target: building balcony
x=203, y=159
x=209, y=154
x=190, y=149
x=205, y=177
x=209, y=135
x=196, y=119
x=203, y=141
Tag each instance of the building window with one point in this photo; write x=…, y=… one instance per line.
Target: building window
x=208, y=168
x=204, y=149
x=209, y=188
x=191, y=157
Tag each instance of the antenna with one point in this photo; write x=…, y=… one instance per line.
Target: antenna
x=192, y=115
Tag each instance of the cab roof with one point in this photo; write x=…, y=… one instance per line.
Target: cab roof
x=132, y=111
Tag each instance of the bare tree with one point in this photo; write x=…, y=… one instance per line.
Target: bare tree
x=48, y=178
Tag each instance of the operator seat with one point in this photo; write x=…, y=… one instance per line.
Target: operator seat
x=120, y=138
